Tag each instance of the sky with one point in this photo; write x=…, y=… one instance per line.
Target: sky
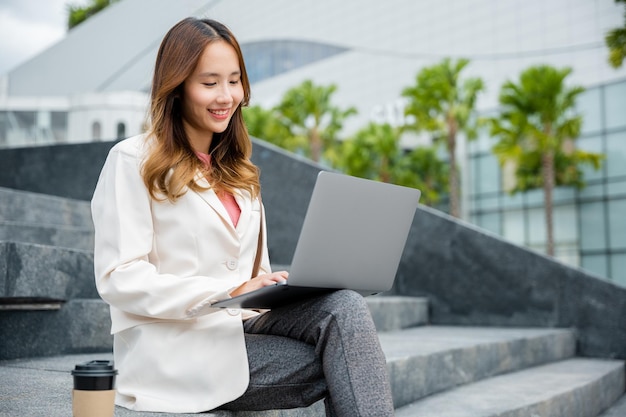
x=27, y=27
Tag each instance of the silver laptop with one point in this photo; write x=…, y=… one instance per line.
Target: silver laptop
x=353, y=237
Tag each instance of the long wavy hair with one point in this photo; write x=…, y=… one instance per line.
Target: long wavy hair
x=171, y=166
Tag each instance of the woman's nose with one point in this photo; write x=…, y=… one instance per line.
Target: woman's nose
x=224, y=95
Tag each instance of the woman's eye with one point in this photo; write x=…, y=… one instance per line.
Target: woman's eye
x=234, y=82
x=209, y=84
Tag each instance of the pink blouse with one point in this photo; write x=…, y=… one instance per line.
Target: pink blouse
x=227, y=199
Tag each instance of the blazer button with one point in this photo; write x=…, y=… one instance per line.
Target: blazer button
x=233, y=311
x=231, y=264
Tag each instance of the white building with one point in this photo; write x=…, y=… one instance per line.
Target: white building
x=94, y=85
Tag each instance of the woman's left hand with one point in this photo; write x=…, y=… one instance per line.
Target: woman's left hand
x=260, y=281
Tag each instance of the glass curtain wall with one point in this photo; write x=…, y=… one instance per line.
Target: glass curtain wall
x=590, y=224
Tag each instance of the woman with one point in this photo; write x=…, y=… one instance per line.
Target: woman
x=177, y=217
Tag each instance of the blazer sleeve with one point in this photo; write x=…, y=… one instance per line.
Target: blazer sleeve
x=125, y=279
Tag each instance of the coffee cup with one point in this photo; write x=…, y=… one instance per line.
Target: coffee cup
x=94, y=389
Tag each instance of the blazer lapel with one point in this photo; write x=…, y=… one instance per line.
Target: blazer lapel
x=245, y=204
x=211, y=198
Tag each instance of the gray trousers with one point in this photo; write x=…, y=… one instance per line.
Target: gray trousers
x=324, y=347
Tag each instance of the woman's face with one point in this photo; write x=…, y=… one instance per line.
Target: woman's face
x=211, y=94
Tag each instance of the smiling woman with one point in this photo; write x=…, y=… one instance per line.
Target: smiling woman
x=179, y=226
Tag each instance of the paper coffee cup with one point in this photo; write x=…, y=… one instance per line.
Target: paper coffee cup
x=94, y=389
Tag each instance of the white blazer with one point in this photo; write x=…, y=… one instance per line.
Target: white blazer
x=159, y=266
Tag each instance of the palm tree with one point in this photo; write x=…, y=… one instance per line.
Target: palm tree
x=537, y=128
x=306, y=110
x=423, y=169
x=444, y=105
x=374, y=152
x=263, y=124
x=371, y=153
x=616, y=42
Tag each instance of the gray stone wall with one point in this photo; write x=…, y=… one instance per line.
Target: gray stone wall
x=63, y=170
x=473, y=277
x=470, y=276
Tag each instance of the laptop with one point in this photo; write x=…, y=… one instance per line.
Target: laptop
x=353, y=237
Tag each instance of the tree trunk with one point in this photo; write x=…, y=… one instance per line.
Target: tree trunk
x=454, y=175
x=385, y=175
x=316, y=145
x=547, y=168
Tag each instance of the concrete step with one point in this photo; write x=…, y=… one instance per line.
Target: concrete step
x=429, y=359
x=41, y=271
x=421, y=361
x=577, y=387
x=397, y=312
x=27, y=207
x=83, y=325
x=617, y=410
x=80, y=325
x=71, y=237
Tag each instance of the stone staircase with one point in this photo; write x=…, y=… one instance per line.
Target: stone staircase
x=46, y=220
x=51, y=318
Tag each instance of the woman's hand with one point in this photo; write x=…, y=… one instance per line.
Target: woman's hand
x=260, y=282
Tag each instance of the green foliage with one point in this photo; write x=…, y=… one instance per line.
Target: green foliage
x=616, y=42
x=374, y=152
x=537, y=129
x=443, y=104
x=423, y=169
x=440, y=101
x=538, y=117
x=263, y=124
x=306, y=110
x=567, y=169
x=78, y=14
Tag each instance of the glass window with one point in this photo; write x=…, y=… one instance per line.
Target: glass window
x=616, y=154
x=595, y=264
x=567, y=252
x=474, y=181
x=512, y=200
x=4, y=127
x=266, y=59
x=615, y=108
x=490, y=221
x=563, y=194
x=535, y=196
x=591, y=144
x=487, y=203
x=536, y=226
x=618, y=268
x=592, y=226
x=484, y=142
x=121, y=130
x=589, y=104
x=565, y=224
x=24, y=119
x=58, y=119
x=617, y=223
x=513, y=226
x=59, y=125
x=592, y=190
x=96, y=131
x=486, y=174
x=616, y=188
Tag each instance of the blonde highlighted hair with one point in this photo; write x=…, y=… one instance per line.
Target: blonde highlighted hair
x=171, y=165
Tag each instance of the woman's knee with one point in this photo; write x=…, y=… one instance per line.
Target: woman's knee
x=347, y=301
